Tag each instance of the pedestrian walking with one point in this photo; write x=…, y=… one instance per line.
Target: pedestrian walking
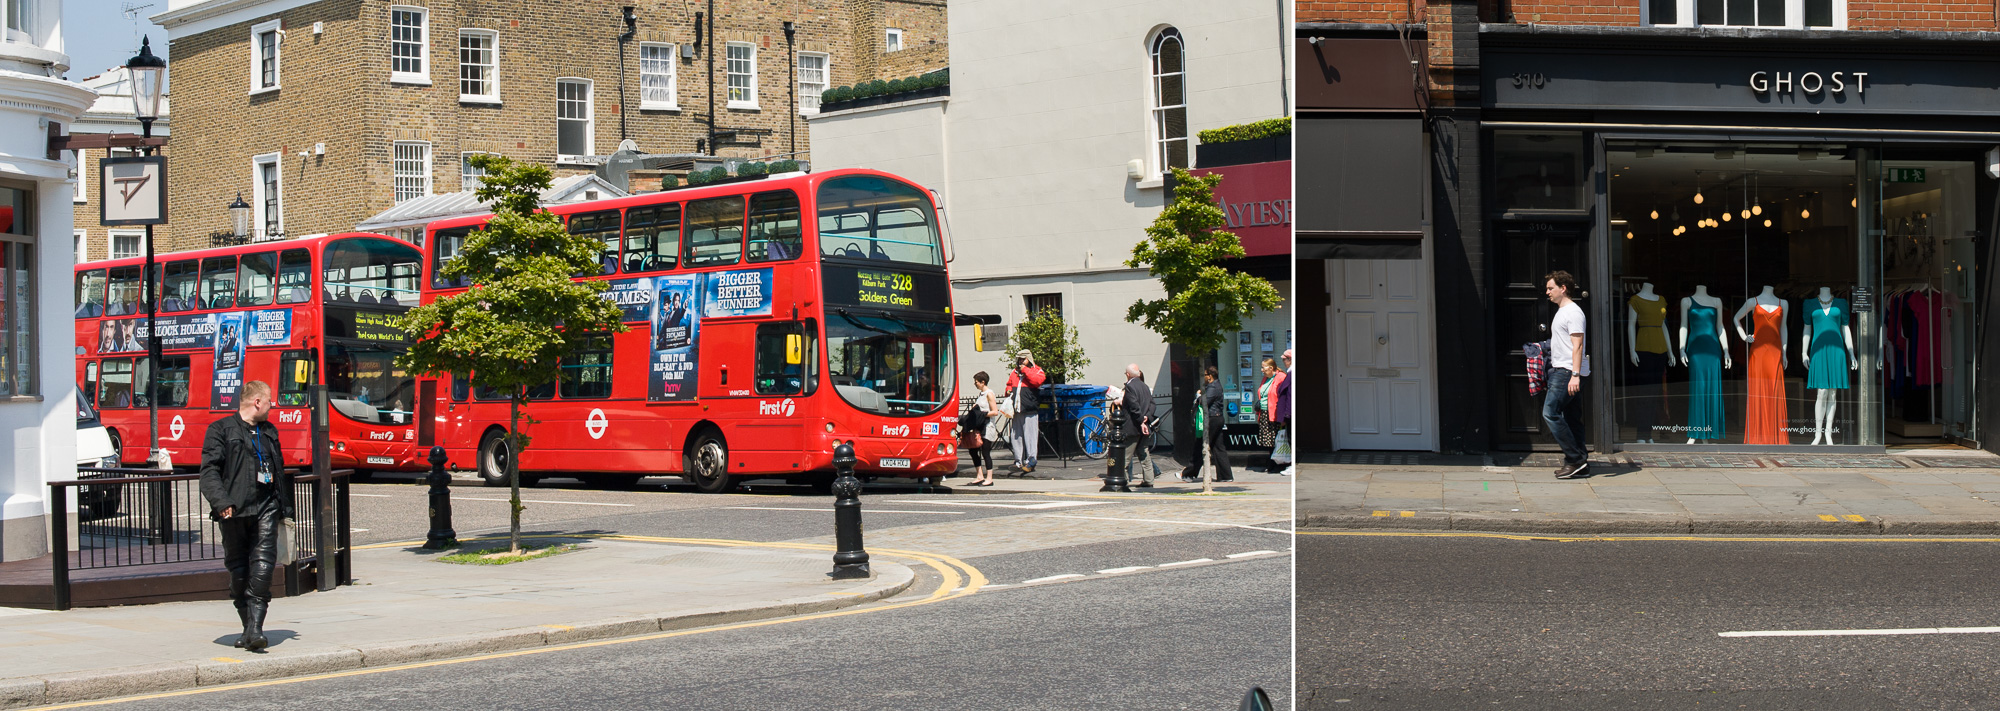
x=1281, y=412
x=1023, y=388
x=972, y=437
x=1562, y=409
x=1267, y=406
x=243, y=478
x=1137, y=404
x=1215, y=425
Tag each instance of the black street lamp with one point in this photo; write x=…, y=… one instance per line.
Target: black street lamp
x=149, y=75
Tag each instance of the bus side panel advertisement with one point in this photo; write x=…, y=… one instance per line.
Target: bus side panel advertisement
x=229, y=351
x=633, y=296
x=738, y=293
x=269, y=327
x=676, y=328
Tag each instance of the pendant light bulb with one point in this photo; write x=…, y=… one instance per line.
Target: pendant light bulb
x=1656, y=214
x=1725, y=217
x=1767, y=223
x=1628, y=235
x=1697, y=197
x=1746, y=214
x=1854, y=202
x=1805, y=214
x=1756, y=209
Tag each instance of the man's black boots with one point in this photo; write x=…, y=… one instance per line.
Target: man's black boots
x=253, y=630
x=243, y=613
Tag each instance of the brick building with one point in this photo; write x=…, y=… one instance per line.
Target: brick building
x=110, y=113
x=324, y=113
x=1781, y=215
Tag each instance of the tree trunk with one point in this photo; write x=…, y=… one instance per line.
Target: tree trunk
x=1207, y=473
x=514, y=471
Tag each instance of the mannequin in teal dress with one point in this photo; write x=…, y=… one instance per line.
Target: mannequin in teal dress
x=1827, y=357
x=1704, y=348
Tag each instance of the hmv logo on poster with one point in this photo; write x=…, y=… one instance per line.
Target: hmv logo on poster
x=897, y=431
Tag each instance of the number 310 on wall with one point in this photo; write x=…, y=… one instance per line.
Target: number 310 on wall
x=1536, y=80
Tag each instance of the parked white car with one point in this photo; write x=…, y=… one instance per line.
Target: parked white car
x=93, y=442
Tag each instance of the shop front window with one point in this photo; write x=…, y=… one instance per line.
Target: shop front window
x=1926, y=214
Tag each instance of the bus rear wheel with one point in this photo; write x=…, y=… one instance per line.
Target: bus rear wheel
x=494, y=451
x=707, y=464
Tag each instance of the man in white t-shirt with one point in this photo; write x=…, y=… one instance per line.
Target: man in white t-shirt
x=1568, y=366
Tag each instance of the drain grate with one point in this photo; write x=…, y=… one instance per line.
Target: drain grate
x=1958, y=462
x=1693, y=461
x=1829, y=462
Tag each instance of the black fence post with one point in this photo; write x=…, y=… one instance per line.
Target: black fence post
x=323, y=514
x=1114, y=478
x=442, y=535
x=59, y=543
x=159, y=511
x=850, y=560
x=346, y=532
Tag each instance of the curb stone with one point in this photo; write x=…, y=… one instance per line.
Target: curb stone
x=889, y=581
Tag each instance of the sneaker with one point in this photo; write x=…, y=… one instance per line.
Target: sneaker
x=1580, y=472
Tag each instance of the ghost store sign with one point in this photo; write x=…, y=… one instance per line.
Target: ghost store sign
x=1810, y=83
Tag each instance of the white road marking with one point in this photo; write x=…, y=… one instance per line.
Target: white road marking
x=538, y=501
x=1064, y=576
x=872, y=511
x=1187, y=562
x=1862, y=633
x=1184, y=523
x=1115, y=571
x=1248, y=554
x=373, y=496
x=1015, y=504
x=358, y=530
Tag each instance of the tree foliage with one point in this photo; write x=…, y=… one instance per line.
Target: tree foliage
x=1183, y=250
x=1052, y=340
x=524, y=312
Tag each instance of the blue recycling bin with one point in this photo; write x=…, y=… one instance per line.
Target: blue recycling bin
x=1062, y=406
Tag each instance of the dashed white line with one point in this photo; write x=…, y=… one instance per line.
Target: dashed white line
x=1187, y=562
x=373, y=496
x=1248, y=554
x=1115, y=571
x=1862, y=633
x=1064, y=576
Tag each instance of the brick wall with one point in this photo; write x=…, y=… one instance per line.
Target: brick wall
x=924, y=38
x=1360, y=11
x=336, y=90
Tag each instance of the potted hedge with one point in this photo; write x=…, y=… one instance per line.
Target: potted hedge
x=1257, y=142
x=877, y=92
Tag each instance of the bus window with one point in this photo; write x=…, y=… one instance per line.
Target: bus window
x=294, y=277
x=774, y=226
x=715, y=231
x=174, y=381
x=587, y=373
x=218, y=283
x=366, y=270
x=889, y=365
x=124, y=292
x=787, y=358
x=866, y=217
x=485, y=392
x=115, y=390
x=604, y=227
x=363, y=383
x=142, y=374
x=178, y=286
x=294, y=374
x=652, y=238
x=545, y=391
x=90, y=381
x=259, y=275
x=461, y=387
x=90, y=293
x=446, y=244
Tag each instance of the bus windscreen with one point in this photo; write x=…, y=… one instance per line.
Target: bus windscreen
x=890, y=365
x=868, y=217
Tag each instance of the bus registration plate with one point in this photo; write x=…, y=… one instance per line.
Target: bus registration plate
x=381, y=460
x=895, y=463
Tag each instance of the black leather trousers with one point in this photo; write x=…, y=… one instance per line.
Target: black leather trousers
x=249, y=552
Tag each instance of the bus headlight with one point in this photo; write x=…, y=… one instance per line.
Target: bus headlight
x=829, y=428
x=944, y=448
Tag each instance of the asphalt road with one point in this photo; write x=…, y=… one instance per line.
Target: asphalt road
x=1403, y=622
x=1182, y=637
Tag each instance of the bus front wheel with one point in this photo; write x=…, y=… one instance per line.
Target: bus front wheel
x=494, y=452
x=708, y=464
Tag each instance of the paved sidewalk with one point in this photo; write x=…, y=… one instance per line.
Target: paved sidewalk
x=1903, y=493
x=405, y=607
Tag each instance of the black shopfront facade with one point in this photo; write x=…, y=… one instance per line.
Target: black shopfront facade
x=1786, y=237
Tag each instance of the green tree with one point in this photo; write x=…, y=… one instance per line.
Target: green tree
x=524, y=312
x=1205, y=301
x=1052, y=340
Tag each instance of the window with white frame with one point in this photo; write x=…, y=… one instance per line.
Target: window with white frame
x=413, y=169
x=18, y=299
x=127, y=243
x=656, y=76
x=812, y=80
x=469, y=174
x=79, y=163
x=478, y=65
x=267, y=195
x=265, y=40
x=1788, y=14
x=409, y=44
x=1169, y=125
x=573, y=119
x=894, y=42
x=80, y=243
x=742, y=75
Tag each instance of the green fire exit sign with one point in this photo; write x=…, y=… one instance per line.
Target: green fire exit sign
x=1906, y=175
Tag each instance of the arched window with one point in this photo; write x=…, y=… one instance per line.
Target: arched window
x=1169, y=101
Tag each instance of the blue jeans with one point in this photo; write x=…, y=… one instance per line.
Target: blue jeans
x=1564, y=414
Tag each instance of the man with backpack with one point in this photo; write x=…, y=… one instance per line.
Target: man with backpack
x=1023, y=385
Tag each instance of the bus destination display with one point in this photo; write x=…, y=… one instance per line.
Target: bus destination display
x=881, y=288
x=379, y=326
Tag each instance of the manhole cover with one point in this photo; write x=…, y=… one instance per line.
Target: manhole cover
x=1958, y=462
x=1694, y=461
x=1819, y=462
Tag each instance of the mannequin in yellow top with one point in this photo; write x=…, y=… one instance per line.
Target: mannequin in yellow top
x=1647, y=346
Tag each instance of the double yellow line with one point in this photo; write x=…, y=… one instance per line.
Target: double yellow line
x=959, y=580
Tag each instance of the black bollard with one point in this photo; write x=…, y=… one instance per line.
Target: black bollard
x=442, y=535
x=850, y=561
x=1114, y=479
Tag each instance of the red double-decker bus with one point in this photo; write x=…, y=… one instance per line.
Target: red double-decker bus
x=285, y=312
x=769, y=319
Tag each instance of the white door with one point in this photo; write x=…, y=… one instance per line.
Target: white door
x=1382, y=362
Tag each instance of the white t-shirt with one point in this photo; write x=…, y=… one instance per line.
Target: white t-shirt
x=1562, y=352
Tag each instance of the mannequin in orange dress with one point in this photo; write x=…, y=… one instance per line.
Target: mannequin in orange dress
x=1764, y=413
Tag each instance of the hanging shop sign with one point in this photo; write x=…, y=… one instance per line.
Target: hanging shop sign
x=1256, y=202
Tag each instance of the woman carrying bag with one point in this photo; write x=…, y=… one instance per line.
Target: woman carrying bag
x=1267, y=403
x=972, y=432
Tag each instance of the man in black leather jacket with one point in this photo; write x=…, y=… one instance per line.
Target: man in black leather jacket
x=243, y=478
x=1215, y=423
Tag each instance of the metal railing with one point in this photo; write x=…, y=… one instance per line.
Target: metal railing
x=142, y=517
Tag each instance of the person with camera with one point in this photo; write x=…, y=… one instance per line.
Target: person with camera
x=243, y=478
x=1023, y=388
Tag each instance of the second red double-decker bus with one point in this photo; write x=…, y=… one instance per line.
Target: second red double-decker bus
x=769, y=320
x=285, y=312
